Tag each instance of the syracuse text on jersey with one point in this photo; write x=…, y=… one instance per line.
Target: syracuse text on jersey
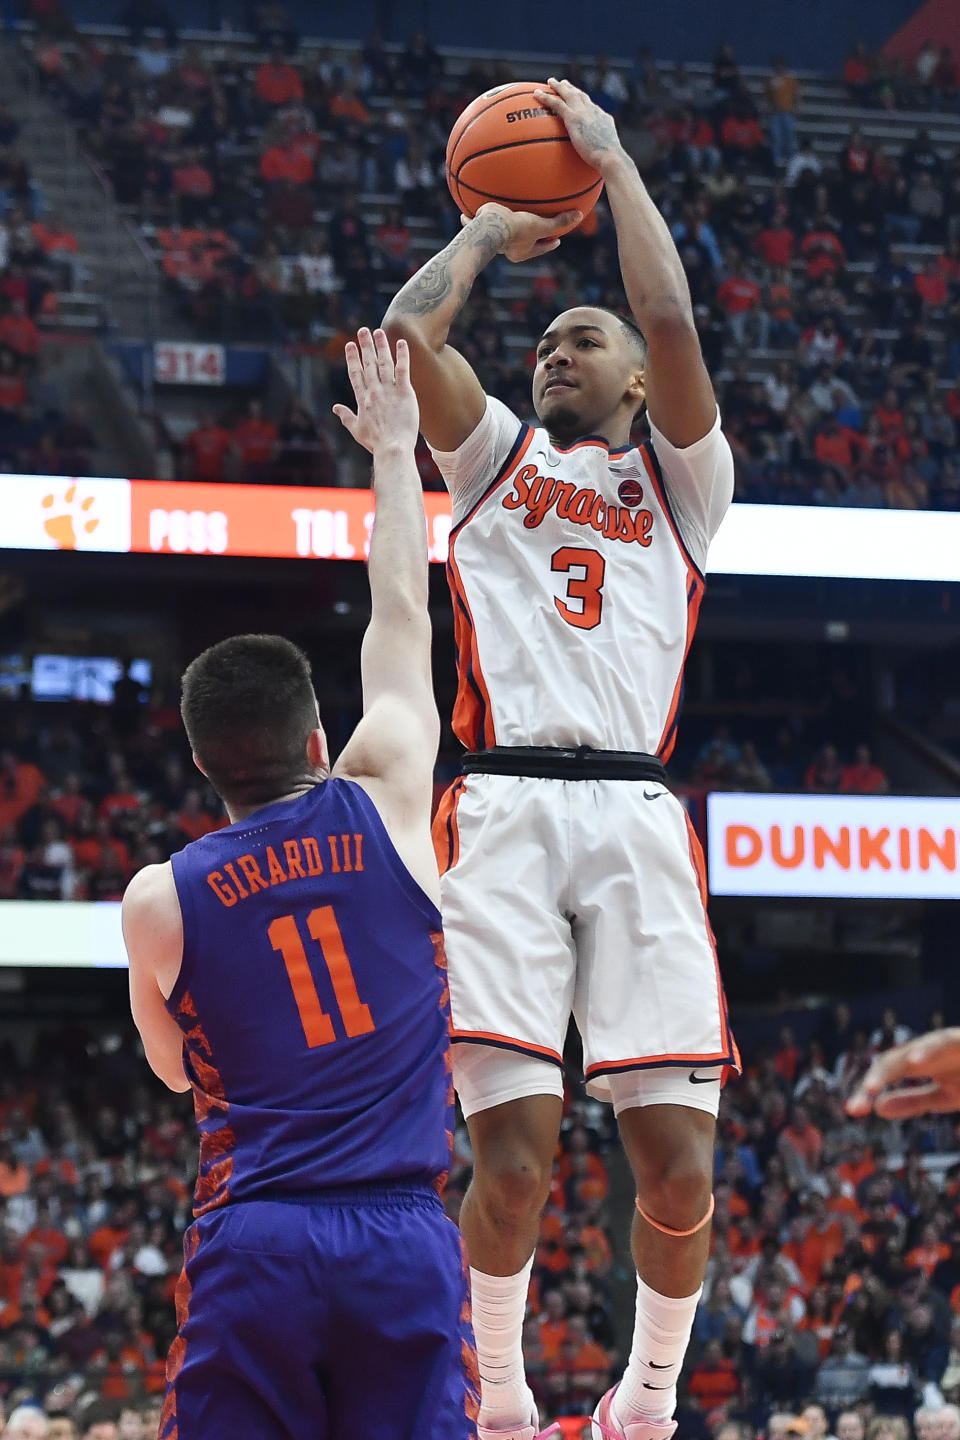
x=539, y=494
x=299, y=859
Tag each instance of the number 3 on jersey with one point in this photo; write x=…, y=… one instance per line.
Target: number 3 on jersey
x=587, y=588
x=284, y=935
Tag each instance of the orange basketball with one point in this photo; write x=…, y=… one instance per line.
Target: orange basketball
x=507, y=147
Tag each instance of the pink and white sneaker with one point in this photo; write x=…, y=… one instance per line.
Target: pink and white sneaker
x=523, y=1432
x=606, y=1427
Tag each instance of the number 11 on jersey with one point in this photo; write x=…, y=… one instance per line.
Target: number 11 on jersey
x=284, y=936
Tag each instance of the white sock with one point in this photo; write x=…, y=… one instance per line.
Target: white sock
x=499, y=1303
x=661, y=1334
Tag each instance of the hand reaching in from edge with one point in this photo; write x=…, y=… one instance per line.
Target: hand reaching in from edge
x=918, y=1078
x=387, y=411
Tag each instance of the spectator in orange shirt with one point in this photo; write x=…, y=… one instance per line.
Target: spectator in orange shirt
x=856, y=73
x=822, y=1241
x=255, y=443
x=741, y=299
x=863, y=777
x=834, y=444
x=823, y=252
x=782, y=96
x=926, y=1255
x=858, y=1165
x=121, y=797
x=553, y=1324
x=787, y=1055
x=348, y=111
x=206, y=450
x=193, y=187
x=277, y=82
x=803, y=1137
x=825, y=775
x=19, y=333
x=53, y=237
x=578, y=1143
x=193, y=820
x=775, y=244
x=890, y=415
x=931, y=285
x=14, y=1174
x=741, y=134
x=838, y=1201
x=20, y=785
x=287, y=160
x=45, y=1238
x=713, y=1380
x=597, y=1250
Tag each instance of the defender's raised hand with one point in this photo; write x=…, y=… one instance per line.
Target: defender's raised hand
x=592, y=131
x=387, y=412
x=919, y=1078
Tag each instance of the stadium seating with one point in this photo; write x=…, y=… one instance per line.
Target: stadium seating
x=818, y=228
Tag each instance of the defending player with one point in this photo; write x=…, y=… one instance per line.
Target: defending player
x=572, y=878
x=290, y=969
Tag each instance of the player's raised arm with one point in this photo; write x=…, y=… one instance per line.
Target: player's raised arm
x=680, y=398
x=451, y=397
x=400, y=730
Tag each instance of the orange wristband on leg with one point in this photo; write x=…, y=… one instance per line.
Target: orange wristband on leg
x=679, y=1234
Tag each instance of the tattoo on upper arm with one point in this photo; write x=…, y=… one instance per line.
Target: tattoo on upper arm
x=432, y=286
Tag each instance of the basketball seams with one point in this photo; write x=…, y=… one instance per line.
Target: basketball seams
x=519, y=200
x=516, y=94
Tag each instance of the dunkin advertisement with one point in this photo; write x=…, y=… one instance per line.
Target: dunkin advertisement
x=849, y=846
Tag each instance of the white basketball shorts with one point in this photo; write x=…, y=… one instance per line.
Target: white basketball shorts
x=582, y=896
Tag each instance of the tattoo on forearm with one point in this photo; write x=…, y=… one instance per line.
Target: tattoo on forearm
x=432, y=286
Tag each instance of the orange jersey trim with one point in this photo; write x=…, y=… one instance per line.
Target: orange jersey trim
x=445, y=830
x=668, y=739
x=506, y=1042
x=700, y=870
x=472, y=711
x=695, y=592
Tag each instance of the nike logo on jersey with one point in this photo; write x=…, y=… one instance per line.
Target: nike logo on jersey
x=696, y=1079
x=648, y=1386
x=653, y=794
x=539, y=494
x=654, y=1366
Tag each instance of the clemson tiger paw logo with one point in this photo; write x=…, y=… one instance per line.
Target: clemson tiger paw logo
x=71, y=520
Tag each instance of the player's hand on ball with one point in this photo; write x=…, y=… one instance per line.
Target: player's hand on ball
x=521, y=235
x=592, y=131
x=387, y=411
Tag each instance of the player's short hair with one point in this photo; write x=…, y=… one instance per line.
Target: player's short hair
x=630, y=329
x=248, y=706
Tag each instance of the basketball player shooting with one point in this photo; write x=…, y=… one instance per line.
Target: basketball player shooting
x=289, y=969
x=572, y=880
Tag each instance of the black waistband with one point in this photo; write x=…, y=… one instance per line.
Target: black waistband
x=546, y=763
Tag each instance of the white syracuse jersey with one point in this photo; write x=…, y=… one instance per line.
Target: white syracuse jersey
x=577, y=577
